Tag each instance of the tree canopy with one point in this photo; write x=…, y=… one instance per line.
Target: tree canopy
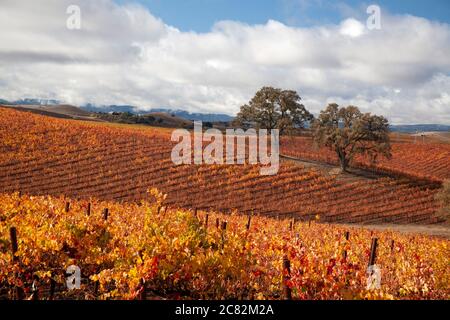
x=273, y=108
x=348, y=132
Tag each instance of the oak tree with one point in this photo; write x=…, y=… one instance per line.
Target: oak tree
x=349, y=132
x=273, y=108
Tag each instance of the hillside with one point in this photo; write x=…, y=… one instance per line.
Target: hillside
x=155, y=119
x=158, y=119
x=55, y=110
x=46, y=156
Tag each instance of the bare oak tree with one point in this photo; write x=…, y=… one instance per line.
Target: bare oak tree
x=348, y=132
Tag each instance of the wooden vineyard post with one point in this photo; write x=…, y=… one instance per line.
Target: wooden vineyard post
x=347, y=236
x=309, y=223
x=224, y=226
x=195, y=213
x=142, y=295
x=105, y=213
x=392, y=245
x=217, y=223
x=373, y=252
x=96, y=285
x=291, y=224
x=88, y=210
x=18, y=292
x=224, y=229
x=249, y=221
x=67, y=206
x=206, y=220
x=287, y=295
x=35, y=289
x=14, y=246
x=52, y=287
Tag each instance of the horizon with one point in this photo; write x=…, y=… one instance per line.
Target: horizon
x=211, y=57
x=168, y=110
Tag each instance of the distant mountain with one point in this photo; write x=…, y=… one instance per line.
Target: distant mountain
x=413, y=128
x=205, y=117
x=109, y=108
x=31, y=101
x=197, y=116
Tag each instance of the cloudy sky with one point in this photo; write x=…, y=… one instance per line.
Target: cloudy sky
x=212, y=55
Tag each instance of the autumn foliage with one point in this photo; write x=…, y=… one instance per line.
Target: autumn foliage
x=175, y=253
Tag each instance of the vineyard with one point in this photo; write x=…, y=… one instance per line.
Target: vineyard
x=47, y=156
x=429, y=161
x=149, y=251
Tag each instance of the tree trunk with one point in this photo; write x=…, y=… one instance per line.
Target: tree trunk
x=343, y=161
x=344, y=165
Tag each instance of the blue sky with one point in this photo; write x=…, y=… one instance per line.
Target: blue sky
x=200, y=15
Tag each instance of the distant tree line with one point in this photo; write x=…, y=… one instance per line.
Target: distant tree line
x=129, y=118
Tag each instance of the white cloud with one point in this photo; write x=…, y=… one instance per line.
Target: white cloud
x=124, y=54
x=352, y=28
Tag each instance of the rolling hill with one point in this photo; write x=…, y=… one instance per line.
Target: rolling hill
x=45, y=156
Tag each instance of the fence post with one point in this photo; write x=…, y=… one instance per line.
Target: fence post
x=105, y=213
x=217, y=223
x=392, y=245
x=35, y=289
x=67, y=206
x=373, y=251
x=88, y=211
x=249, y=222
x=286, y=277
